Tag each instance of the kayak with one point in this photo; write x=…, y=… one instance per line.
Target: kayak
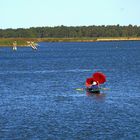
x=95, y=91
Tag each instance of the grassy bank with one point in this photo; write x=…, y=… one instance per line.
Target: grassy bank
x=20, y=41
x=23, y=41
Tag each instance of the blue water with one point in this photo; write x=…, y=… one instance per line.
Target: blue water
x=38, y=99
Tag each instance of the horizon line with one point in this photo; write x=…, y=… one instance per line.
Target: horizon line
x=69, y=26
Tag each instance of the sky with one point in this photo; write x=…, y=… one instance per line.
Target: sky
x=42, y=13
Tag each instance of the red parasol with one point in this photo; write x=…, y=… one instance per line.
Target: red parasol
x=89, y=81
x=99, y=77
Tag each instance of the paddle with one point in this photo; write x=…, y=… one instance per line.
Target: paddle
x=82, y=89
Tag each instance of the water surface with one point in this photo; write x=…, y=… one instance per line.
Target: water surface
x=38, y=99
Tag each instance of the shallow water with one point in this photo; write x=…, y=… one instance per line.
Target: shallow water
x=38, y=99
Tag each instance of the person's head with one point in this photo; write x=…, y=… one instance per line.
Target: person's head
x=94, y=83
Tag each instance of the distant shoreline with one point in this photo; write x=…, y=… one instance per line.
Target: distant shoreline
x=22, y=41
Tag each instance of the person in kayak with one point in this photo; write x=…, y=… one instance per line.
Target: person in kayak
x=93, y=83
x=94, y=87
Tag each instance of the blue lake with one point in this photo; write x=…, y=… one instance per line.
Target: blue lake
x=38, y=99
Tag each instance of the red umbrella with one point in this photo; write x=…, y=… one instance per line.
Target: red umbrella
x=89, y=81
x=99, y=77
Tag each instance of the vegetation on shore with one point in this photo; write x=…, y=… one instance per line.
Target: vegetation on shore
x=20, y=41
x=69, y=34
x=23, y=41
x=72, y=32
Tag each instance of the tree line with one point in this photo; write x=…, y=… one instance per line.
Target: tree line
x=72, y=31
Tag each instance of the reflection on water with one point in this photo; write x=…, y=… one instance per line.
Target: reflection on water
x=100, y=96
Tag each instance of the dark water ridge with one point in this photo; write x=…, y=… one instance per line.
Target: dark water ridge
x=38, y=99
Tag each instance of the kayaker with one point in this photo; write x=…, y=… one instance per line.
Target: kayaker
x=93, y=83
x=94, y=87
